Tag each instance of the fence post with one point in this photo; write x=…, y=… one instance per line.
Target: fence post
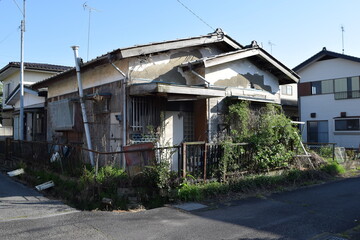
x=333, y=152
x=184, y=160
x=205, y=162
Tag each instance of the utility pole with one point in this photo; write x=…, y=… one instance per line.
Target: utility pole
x=21, y=117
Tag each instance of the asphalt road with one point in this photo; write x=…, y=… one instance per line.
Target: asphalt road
x=19, y=202
x=301, y=214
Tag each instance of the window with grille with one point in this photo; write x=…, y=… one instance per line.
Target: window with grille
x=144, y=113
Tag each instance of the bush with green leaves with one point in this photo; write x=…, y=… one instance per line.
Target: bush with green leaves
x=271, y=134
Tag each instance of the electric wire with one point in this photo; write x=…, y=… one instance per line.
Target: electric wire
x=9, y=35
x=22, y=13
x=197, y=16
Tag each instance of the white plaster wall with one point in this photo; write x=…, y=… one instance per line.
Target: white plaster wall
x=173, y=134
x=30, y=77
x=30, y=100
x=329, y=69
x=242, y=66
x=327, y=108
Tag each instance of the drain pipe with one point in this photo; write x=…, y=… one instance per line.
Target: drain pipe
x=82, y=103
x=124, y=115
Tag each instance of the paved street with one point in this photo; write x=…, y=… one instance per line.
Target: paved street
x=19, y=202
x=301, y=214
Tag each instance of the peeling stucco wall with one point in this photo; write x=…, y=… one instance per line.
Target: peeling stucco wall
x=161, y=67
x=243, y=74
x=94, y=77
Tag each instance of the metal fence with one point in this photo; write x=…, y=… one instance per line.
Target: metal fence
x=325, y=150
x=62, y=158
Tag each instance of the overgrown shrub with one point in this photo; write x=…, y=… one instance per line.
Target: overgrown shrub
x=268, y=130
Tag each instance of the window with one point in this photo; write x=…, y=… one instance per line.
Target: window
x=327, y=86
x=347, y=125
x=145, y=113
x=316, y=88
x=39, y=123
x=286, y=90
x=344, y=88
x=340, y=85
x=317, y=131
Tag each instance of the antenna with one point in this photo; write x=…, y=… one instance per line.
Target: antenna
x=271, y=45
x=87, y=7
x=342, y=36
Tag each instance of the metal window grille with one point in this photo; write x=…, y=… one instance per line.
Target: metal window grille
x=145, y=112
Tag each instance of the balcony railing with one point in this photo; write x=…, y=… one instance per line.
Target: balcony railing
x=347, y=95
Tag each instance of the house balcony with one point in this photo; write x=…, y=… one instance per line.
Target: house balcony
x=347, y=95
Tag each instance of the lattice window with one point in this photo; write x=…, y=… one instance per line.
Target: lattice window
x=189, y=126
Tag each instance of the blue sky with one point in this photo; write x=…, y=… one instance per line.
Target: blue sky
x=298, y=28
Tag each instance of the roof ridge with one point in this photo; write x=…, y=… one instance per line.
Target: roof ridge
x=321, y=54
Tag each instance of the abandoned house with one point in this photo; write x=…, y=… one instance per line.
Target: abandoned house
x=34, y=100
x=170, y=91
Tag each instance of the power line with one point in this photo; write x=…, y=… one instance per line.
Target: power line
x=7, y=36
x=197, y=16
x=22, y=13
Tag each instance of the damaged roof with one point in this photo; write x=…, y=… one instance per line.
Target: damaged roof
x=324, y=54
x=218, y=37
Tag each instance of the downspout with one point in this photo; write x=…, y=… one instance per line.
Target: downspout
x=208, y=101
x=124, y=117
x=82, y=103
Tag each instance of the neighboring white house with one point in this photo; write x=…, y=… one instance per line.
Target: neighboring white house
x=33, y=100
x=329, y=98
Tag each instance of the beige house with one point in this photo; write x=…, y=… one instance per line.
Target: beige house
x=34, y=100
x=168, y=92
